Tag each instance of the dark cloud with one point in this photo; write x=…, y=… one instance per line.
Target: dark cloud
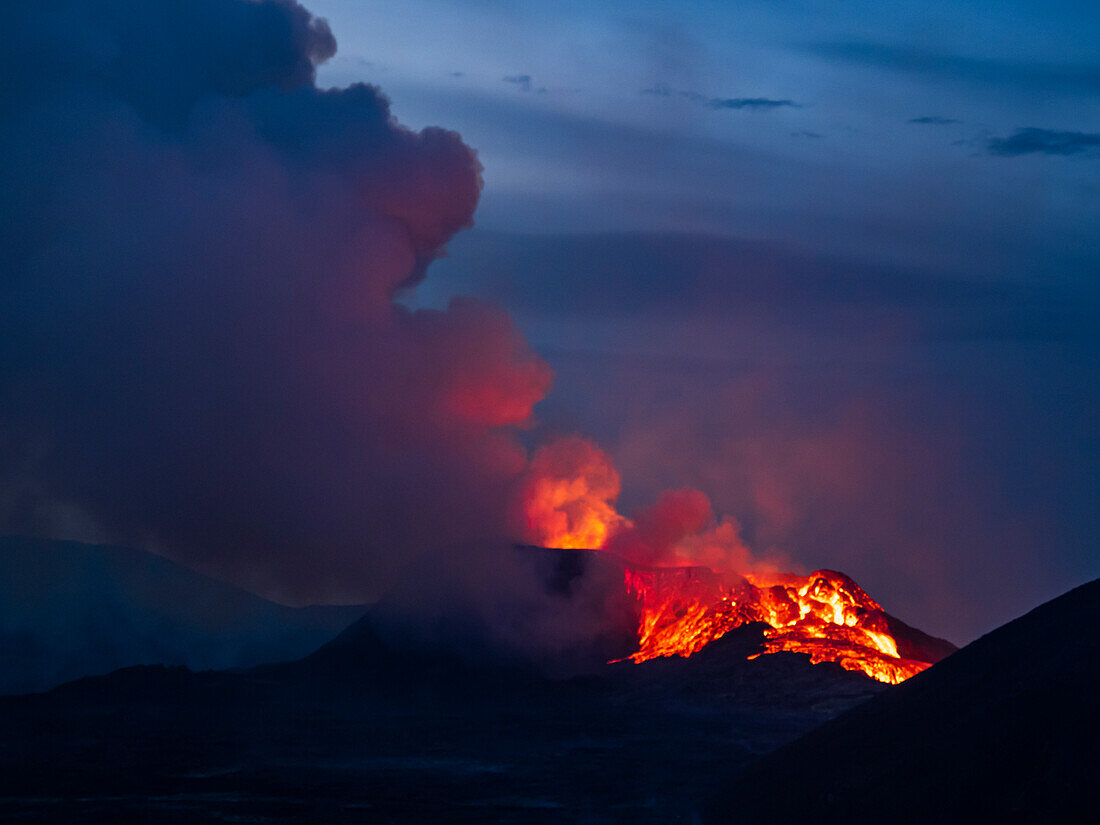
x=933, y=120
x=1045, y=142
x=523, y=82
x=750, y=103
x=1064, y=78
x=161, y=58
x=199, y=348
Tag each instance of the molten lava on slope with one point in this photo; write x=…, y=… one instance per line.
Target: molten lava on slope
x=695, y=579
x=825, y=615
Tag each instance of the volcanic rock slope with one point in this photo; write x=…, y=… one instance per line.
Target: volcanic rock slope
x=1005, y=730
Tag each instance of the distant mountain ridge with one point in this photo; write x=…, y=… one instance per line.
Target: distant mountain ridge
x=69, y=610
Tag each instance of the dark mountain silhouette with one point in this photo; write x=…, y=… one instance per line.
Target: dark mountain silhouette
x=1005, y=730
x=69, y=610
x=383, y=725
x=916, y=644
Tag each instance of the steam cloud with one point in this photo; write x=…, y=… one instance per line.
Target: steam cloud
x=568, y=500
x=200, y=349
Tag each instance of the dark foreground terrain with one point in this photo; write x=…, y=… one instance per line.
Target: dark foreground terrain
x=376, y=728
x=361, y=734
x=1005, y=730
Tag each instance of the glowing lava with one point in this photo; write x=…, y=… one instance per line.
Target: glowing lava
x=825, y=615
x=688, y=571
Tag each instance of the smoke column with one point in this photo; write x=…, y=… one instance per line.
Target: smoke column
x=200, y=350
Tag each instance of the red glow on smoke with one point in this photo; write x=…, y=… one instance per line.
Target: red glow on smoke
x=694, y=578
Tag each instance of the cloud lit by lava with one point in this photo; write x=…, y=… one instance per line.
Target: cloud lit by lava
x=203, y=346
x=694, y=579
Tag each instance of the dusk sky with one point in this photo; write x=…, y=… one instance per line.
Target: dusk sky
x=884, y=357
x=833, y=265
x=883, y=130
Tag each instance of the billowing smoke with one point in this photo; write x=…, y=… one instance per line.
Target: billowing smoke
x=560, y=611
x=680, y=529
x=199, y=345
x=202, y=350
x=568, y=499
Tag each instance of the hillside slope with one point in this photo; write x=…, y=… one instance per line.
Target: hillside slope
x=69, y=610
x=1003, y=730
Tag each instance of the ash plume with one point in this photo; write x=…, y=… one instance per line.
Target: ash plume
x=200, y=349
x=568, y=499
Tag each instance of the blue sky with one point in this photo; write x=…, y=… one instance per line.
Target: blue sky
x=832, y=264
x=579, y=147
x=887, y=276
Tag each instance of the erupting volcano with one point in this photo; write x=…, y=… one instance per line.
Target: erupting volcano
x=825, y=615
x=695, y=580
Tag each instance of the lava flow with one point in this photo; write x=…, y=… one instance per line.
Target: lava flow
x=825, y=615
x=695, y=579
